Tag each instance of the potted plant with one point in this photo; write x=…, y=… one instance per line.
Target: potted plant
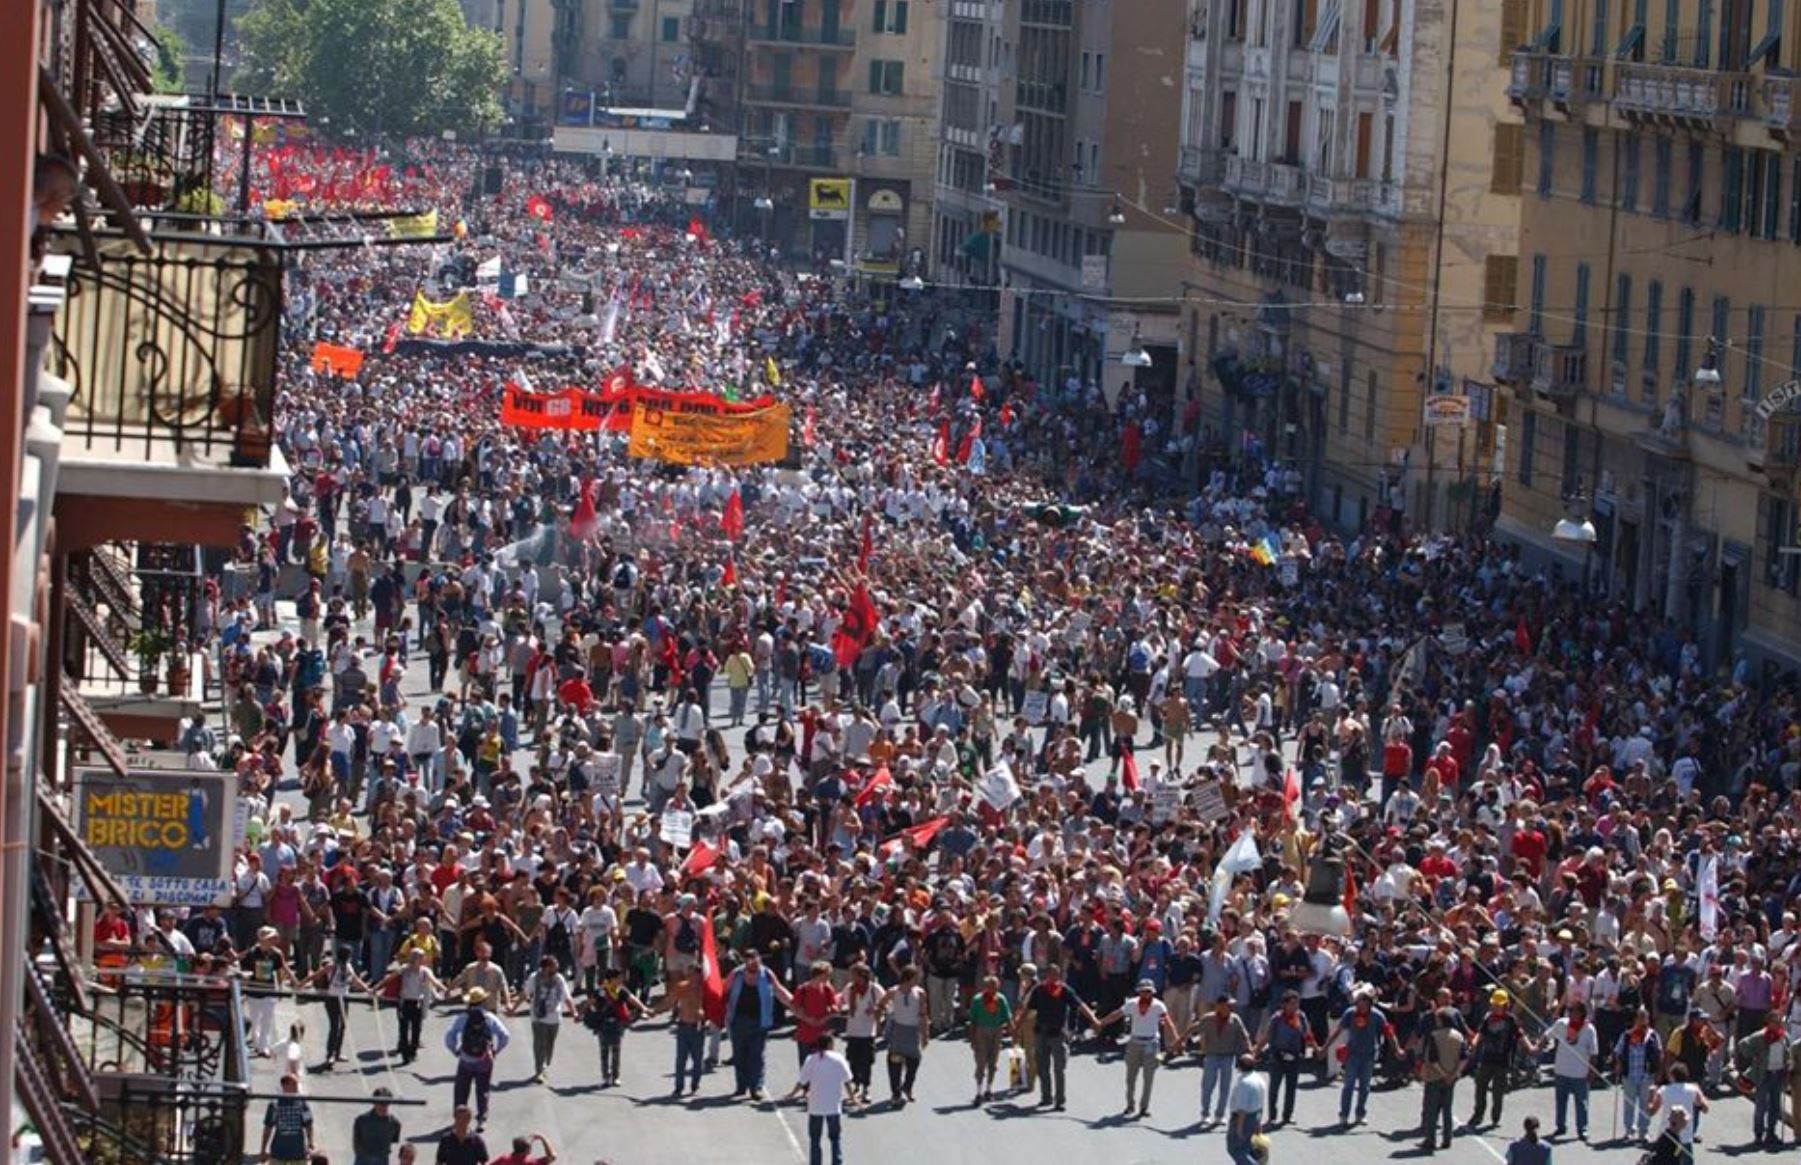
x=150, y=645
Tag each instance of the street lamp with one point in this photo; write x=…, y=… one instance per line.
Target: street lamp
x=912, y=283
x=1117, y=216
x=1708, y=375
x=1136, y=356
x=1573, y=531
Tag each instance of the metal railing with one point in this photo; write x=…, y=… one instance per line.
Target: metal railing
x=814, y=157
x=1677, y=91
x=828, y=38
x=797, y=95
x=173, y=352
x=1558, y=370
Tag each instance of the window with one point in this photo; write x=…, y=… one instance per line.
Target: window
x=886, y=76
x=1776, y=523
x=1369, y=406
x=1772, y=194
x=891, y=16
x=672, y=29
x=1622, y=317
x=1732, y=188
x=1794, y=203
x=1591, y=161
x=1653, y=351
x=1629, y=161
x=621, y=26
x=1547, y=157
x=1672, y=26
x=1598, y=28
x=1691, y=206
x=1500, y=285
x=881, y=136
x=1579, y=329
x=1715, y=402
x=1550, y=37
x=1703, y=34
x=1632, y=42
x=1087, y=61
x=1344, y=390
x=1685, y=333
x=1509, y=158
x=1535, y=320
x=1754, y=324
x=1660, y=180
x=1528, y=443
x=1572, y=459
x=1770, y=47
x=1100, y=71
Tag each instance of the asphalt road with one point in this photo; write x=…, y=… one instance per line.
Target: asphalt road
x=637, y=1124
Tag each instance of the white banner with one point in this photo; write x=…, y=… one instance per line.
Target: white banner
x=999, y=789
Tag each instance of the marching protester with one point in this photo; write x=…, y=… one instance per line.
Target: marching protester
x=475, y=1038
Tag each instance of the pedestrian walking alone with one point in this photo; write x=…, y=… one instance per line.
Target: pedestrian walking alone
x=825, y=1078
x=475, y=1038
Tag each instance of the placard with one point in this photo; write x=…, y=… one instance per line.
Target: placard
x=1210, y=802
x=604, y=780
x=1166, y=803
x=678, y=828
x=1288, y=570
x=1037, y=706
x=1454, y=639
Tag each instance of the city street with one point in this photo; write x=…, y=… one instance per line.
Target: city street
x=637, y=1124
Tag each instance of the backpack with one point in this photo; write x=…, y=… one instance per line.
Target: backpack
x=477, y=1039
x=687, y=937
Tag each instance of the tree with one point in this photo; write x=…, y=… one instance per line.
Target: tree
x=411, y=67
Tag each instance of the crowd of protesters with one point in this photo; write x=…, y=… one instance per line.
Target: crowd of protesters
x=1005, y=811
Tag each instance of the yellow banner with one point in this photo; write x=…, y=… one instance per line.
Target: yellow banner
x=828, y=199
x=414, y=226
x=453, y=318
x=757, y=438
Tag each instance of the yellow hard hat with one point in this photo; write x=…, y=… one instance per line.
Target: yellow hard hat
x=1500, y=998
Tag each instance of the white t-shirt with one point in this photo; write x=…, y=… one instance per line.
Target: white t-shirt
x=825, y=1074
x=1680, y=1096
x=1147, y=1022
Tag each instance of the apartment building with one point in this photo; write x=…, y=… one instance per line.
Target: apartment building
x=628, y=54
x=835, y=104
x=1653, y=439
x=975, y=128
x=1351, y=168
x=1090, y=262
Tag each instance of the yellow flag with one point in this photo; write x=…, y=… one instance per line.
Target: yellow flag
x=678, y=438
x=420, y=317
x=459, y=316
x=454, y=318
x=414, y=226
x=770, y=372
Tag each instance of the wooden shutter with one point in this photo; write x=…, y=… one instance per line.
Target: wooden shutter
x=1513, y=27
x=1509, y=159
x=1500, y=285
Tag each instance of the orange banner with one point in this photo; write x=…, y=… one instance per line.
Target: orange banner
x=336, y=360
x=689, y=438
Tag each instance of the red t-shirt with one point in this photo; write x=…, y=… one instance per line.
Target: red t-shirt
x=814, y=1003
x=1529, y=847
x=1397, y=759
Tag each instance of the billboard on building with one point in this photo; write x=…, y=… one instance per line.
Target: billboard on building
x=828, y=199
x=166, y=836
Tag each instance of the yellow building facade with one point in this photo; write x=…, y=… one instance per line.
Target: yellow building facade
x=1655, y=351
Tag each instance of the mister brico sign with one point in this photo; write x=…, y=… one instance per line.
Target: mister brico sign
x=167, y=837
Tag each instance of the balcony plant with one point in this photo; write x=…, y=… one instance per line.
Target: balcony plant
x=150, y=644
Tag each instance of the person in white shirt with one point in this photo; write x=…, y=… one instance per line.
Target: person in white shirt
x=1250, y=1095
x=549, y=996
x=1679, y=1093
x=825, y=1079
x=1148, y=1023
x=1576, y=1046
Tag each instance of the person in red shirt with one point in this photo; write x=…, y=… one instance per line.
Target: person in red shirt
x=1529, y=847
x=576, y=693
x=1443, y=771
x=815, y=1002
x=522, y=1152
x=1437, y=864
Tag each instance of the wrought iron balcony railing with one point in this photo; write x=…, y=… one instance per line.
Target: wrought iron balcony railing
x=171, y=356
x=797, y=34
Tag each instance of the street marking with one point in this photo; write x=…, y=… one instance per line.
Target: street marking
x=800, y=1155
x=1490, y=1149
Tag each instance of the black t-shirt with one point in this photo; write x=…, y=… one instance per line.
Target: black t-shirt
x=469, y=1150
x=1053, y=1011
x=642, y=926
x=265, y=966
x=373, y=1135
x=348, y=910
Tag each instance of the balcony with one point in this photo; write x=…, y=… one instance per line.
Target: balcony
x=1777, y=450
x=1575, y=81
x=819, y=156
x=1673, y=94
x=1336, y=196
x=1526, y=77
x=1513, y=357
x=1267, y=183
x=1200, y=167
x=1559, y=371
x=794, y=34
x=1780, y=105
x=170, y=359
x=624, y=5
x=797, y=95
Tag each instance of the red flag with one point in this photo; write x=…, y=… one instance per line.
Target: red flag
x=1128, y=770
x=538, y=207
x=806, y=429
x=976, y=390
x=732, y=521
x=882, y=779
x=932, y=401
x=712, y=983
x=392, y=340
x=1007, y=413
x=582, y=521
x=968, y=443
x=856, y=629
x=1350, y=888
x=920, y=835
x=868, y=546
x=700, y=860
x=730, y=577
x=1291, y=792
x=698, y=229
x=941, y=445
x=1522, y=637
